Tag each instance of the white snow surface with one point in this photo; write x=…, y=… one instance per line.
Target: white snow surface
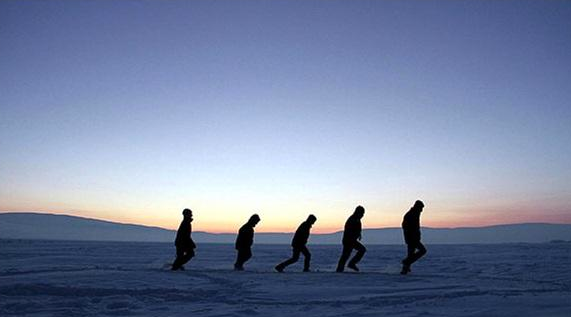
x=59, y=278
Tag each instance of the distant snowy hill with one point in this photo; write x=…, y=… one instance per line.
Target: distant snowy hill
x=63, y=227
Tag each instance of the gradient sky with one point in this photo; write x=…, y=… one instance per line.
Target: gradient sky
x=133, y=110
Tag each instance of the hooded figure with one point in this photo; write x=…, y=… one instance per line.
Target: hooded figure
x=298, y=244
x=411, y=231
x=351, y=235
x=183, y=242
x=244, y=242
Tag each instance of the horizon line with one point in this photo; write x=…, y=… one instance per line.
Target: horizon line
x=271, y=232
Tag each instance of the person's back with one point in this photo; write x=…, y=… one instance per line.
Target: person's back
x=245, y=237
x=352, y=230
x=411, y=225
x=183, y=235
x=301, y=235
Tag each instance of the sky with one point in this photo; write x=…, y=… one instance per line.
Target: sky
x=130, y=111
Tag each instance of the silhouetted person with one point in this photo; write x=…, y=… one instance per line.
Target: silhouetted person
x=351, y=234
x=244, y=242
x=183, y=242
x=298, y=244
x=411, y=230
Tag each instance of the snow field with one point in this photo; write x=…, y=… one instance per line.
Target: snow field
x=57, y=278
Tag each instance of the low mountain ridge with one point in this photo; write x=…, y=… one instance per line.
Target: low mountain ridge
x=64, y=227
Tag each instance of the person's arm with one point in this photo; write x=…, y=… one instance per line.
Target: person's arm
x=296, y=237
x=180, y=234
x=251, y=237
x=192, y=244
x=306, y=233
x=239, y=238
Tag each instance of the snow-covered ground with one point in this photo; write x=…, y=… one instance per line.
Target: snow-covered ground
x=51, y=278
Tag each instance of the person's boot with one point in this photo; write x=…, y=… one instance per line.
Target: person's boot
x=405, y=268
x=353, y=267
x=306, y=269
x=238, y=268
x=279, y=268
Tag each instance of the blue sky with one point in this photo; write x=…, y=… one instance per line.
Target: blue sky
x=133, y=110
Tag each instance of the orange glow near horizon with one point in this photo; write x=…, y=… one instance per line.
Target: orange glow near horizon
x=326, y=223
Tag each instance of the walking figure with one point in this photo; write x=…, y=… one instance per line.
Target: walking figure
x=244, y=242
x=183, y=242
x=298, y=244
x=411, y=230
x=351, y=234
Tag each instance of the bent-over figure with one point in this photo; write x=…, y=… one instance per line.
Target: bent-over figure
x=244, y=242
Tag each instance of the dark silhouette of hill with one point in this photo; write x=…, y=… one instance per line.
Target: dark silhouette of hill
x=64, y=227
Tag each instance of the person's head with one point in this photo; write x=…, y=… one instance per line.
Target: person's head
x=359, y=211
x=254, y=219
x=418, y=205
x=311, y=219
x=187, y=213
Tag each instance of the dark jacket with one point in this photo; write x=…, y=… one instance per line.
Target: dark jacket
x=411, y=226
x=301, y=235
x=245, y=237
x=183, y=238
x=352, y=230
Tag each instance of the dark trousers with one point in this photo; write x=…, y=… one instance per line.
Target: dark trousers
x=295, y=257
x=347, y=249
x=415, y=251
x=243, y=255
x=183, y=255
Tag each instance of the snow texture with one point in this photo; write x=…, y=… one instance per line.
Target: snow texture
x=58, y=278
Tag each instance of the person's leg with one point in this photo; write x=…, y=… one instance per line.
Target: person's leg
x=240, y=259
x=307, y=258
x=344, y=256
x=178, y=261
x=407, y=260
x=421, y=251
x=243, y=256
x=189, y=254
x=360, y=253
x=410, y=248
x=293, y=259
